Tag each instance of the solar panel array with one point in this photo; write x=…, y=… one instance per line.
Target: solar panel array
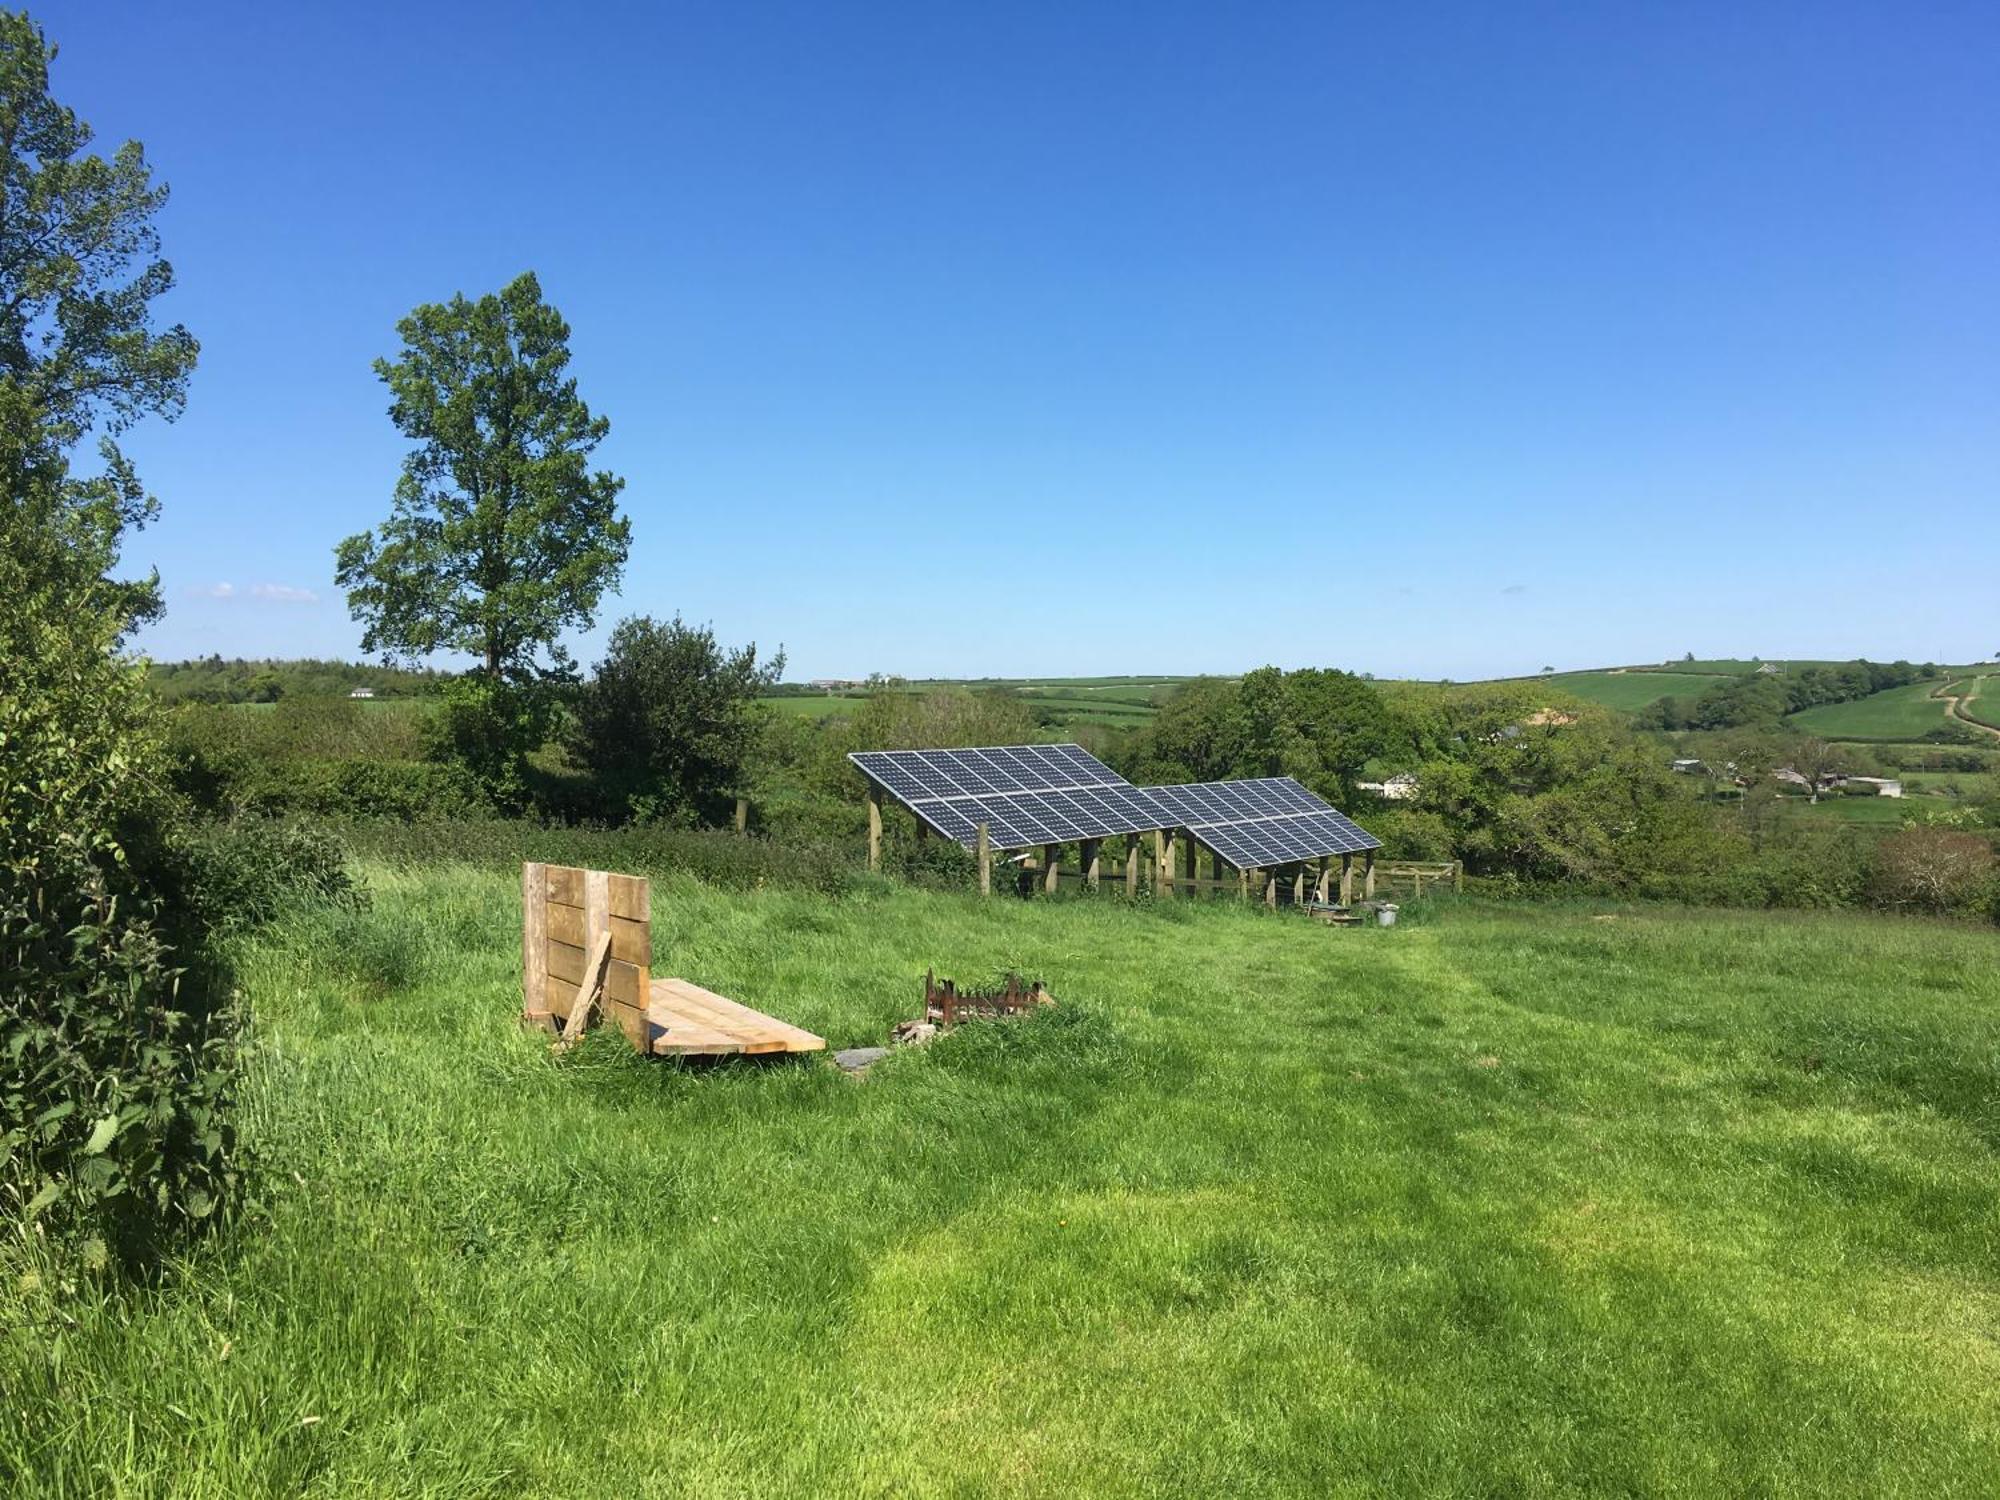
x=1056, y=794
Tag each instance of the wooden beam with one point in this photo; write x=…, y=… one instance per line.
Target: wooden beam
x=587, y=991
x=535, y=946
x=742, y=816
x=1321, y=882
x=985, y=861
x=1368, y=875
x=1271, y=889
x=874, y=826
x=1093, y=851
x=1163, y=863
x=1346, y=880
x=1052, y=861
x=1242, y=885
x=1131, y=865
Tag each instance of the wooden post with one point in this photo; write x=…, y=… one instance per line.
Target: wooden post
x=1191, y=861
x=1163, y=862
x=1458, y=876
x=1271, y=889
x=985, y=861
x=874, y=826
x=535, y=946
x=742, y=816
x=1346, y=880
x=1242, y=885
x=1368, y=875
x=1131, y=865
x=1092, y=851
x=1320, y=886
x=1299, y=886
x=1052, y=858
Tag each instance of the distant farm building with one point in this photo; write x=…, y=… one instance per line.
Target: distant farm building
x=1401, y=787
x=362, y=693
x=1885, y=786
x=1769, y=668
x=834, y=684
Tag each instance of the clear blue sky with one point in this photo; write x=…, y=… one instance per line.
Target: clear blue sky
x=1076, y=338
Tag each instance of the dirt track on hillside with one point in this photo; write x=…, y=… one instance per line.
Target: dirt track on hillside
x=1955, y=706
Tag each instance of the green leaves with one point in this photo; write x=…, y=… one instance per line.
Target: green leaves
x=501, y=536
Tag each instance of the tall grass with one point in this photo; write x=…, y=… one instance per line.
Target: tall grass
x=1566, y=1200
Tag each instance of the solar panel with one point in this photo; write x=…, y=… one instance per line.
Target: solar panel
x=1258, y=823
x=1024, y=794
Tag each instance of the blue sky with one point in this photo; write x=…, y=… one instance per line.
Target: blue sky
x=1078, y=338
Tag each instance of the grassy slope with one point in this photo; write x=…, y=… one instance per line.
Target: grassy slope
x=1521, y=1202
x=1909, y=711
x=1630, y=690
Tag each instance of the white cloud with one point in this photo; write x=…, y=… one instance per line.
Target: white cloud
x=1515, y=588
x=283, y=593
x=212, y=590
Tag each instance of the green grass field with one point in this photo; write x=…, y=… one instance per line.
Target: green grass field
x=1533, y=1201
x=1631, y=690
x=1903, y=713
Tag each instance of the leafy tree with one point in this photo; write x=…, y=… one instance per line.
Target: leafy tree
x=79, y=271
x=115, y=1075
x=669, y=718
x=502, y=537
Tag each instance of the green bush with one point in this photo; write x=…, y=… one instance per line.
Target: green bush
x=716, y=858
x=248, y=871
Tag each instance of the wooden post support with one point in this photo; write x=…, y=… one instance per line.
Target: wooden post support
x=1324, y=880
x=1191, y=862
x=1368, y=875
x=1242, y=885
x=1092, y=861
x=1346, y=880
x=1271, y=889
x=592, y=986
x=1131, y=865
x=874, y=826
x=1299, y=886
x=1163, y=862
x=742, y=816
x=535, y=946
x=1052, y=861
x=985, y=861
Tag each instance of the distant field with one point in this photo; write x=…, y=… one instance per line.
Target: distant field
x=1633, y=690
x=1907, y=712
x=818, y=706
x=1873, y=811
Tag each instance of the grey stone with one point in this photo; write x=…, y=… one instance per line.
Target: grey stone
x=857, y=1059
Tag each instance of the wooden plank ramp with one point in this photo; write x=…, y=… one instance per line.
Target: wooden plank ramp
x=686, y=1020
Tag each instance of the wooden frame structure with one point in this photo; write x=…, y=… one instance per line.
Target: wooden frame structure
x=587, y=946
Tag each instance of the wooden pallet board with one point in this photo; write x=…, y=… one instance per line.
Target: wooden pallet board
x=687, y=1020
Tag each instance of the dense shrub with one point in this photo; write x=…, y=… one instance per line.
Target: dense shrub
x=717, y=858
x=1935, y=870
x=247, y=871
x=118, y=1048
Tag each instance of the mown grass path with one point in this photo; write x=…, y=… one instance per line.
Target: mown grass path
x=1529, y=1201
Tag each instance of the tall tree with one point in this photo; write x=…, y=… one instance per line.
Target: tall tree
x=501, y=537
x=80, y=268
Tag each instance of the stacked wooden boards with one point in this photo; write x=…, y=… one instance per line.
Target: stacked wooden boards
x=576, y=923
